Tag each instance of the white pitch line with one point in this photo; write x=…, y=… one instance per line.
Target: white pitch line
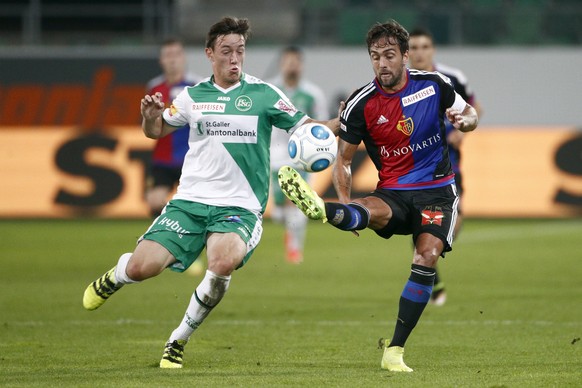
x=527, y=232
x=255, y=322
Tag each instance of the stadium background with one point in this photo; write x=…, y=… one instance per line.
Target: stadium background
x=72, y=74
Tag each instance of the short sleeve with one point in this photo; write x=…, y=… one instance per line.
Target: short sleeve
x=177, y=114
x=283, y=114
x=352, y=121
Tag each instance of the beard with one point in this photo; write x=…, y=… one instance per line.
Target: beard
x=394, y=80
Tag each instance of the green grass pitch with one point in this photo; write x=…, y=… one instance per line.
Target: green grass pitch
x=513, y=316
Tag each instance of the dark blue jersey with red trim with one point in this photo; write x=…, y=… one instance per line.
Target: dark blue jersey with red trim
x=404, y=132
x=170, y=150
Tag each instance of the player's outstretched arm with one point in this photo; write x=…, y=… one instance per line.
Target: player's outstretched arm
x=152, y=108
x=342, y=170
x=464, y=121
x=333, y=124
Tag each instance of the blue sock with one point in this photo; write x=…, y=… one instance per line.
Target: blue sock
x=352, y=216
x=413, y=300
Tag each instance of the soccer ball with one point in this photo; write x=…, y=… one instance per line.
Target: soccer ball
x=312, y=147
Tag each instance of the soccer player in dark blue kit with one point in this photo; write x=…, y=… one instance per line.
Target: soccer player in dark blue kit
x=400, y=117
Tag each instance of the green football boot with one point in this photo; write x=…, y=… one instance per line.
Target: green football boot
x=301, y=194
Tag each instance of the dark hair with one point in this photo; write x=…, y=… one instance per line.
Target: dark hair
x=228, y=25
x=391, y=30
x=419, y=31
x=293, y=49
x=171, y=40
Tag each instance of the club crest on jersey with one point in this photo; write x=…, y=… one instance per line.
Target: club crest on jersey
x=406, y=126
x=432, y=215
x=243, y=103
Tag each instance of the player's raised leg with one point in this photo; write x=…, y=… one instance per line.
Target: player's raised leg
x=301, y=194
x=349, y=217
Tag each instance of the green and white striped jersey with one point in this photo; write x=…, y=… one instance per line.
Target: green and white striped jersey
x=230, y=134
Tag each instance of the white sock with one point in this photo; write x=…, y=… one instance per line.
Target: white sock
x=120, y=273
x=277, y=214
x=296, y=226
x=207, y=295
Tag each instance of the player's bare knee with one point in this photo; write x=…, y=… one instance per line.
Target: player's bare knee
x=426, y=255
x=139, y=269
x=380, y=213
x=222, y=266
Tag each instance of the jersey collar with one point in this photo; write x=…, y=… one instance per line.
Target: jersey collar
x=242, y=76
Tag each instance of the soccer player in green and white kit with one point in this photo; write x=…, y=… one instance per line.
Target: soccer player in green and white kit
x=224, y=184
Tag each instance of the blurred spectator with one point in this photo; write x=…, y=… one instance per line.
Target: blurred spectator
x=308, y=98
x=169, y=151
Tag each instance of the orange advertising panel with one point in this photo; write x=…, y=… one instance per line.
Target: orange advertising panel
x=59, y=172
x=523, y=172
x=62, y=172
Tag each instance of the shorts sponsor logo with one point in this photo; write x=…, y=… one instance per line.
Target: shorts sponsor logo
x=243, y=231
x=286, y=106
x=418, y=96
x=173, y=225
x=432, y=216
x=243, y=103
x=234, y=218
x=209, y=107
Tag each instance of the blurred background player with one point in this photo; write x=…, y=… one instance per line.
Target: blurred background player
x=421, y=57
x=168, y=154
x=308, y=98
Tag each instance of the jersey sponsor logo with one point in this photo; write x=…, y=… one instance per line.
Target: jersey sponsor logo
x=243, y=103
x=401, y=151
x=223, y=98
x=209, y=107
x=173, y=110
x=432, y=215
x=286, y=106
x=231, y=128
x=418, y=96
x=406, y=126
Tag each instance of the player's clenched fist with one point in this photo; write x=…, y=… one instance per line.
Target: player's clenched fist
x=152, y=106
